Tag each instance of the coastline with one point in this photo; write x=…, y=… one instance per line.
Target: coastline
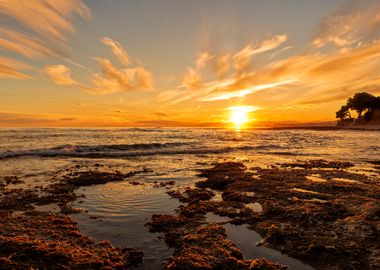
x=324, y=128
x=293, y=212
x=326, y=224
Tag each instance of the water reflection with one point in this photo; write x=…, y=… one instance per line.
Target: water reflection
x=247, y=241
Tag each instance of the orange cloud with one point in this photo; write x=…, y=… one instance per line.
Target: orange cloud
x=39, y=29
x=59, y=74
x=191, y=79
x=202, y=59
x=10, y=68
x=243, y=58
x=24, y=45
x=354, y=22
x=312, y=77
x=50, y=19
x=112, y=79
x=117, y=50
x=237, y=85
x=223, y=64
x=328, y=77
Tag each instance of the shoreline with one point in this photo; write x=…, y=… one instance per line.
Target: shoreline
x=324, y=128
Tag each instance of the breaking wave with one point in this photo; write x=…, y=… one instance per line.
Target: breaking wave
x=123, y=150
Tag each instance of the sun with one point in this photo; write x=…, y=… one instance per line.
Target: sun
x=239, y=115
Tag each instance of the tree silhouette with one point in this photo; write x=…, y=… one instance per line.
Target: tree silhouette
x=343, y=113
x=361, y=103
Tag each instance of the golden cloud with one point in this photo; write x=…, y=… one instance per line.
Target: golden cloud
x=312, y=77
x=354, y=22
x=59, y=74
x=10, y=68
x=50, y=19
x=243, y=58
x=25, y=45
x=117, y=50
x=191, y=79
x=39, y=29
x=112, y=79
x=238, y=84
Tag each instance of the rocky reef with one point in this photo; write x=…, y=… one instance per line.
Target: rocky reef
x=33, y=239
x=322, y=213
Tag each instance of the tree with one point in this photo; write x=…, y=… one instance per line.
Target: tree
x=374, y=104
x=343, y=113
x=361, y=102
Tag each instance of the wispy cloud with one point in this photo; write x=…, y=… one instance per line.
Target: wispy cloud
x=68, y=60
x=243, y=58
x=117, y=50
x=191, y=79
x=356, y=21
x=59, y=74
x=312, y=77
x=328, y=77
x=112, y=78
x=10, y=68
x=229, y=93
x=273, y=55
x=25, y=45
x=241, y=83
x=50, y=19
x=38, y=28
x=223, y=64
x=202, y=59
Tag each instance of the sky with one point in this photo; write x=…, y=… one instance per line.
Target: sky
x=122, y=63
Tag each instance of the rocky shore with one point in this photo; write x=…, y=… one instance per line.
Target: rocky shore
x=32, y=239
x=325, y=214
x=322, y=213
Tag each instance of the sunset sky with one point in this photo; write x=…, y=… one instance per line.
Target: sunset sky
x=183, y=63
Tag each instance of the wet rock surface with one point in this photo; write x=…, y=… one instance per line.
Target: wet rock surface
x=62, y=189
x=332, y=224
x=32, y=239
x=320, y=212
x=202, y=246
x=42, y=240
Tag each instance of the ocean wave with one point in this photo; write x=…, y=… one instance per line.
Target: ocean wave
x=119, y=154
x=136, y=150
x=89, y=151
x=123, y=151
x=121, y=147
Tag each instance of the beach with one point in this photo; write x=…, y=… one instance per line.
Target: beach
x=189, y=198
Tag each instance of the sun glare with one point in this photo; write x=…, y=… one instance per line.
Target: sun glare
x=239, y=115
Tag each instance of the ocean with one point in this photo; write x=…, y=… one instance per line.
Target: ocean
x=166, y=154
